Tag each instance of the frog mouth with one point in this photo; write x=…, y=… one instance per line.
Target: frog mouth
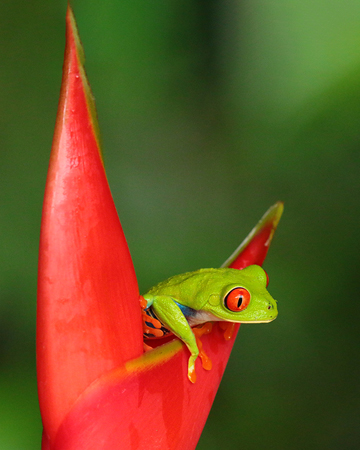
x=259, y=321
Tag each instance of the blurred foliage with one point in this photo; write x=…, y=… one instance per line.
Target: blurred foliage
x=210, y=112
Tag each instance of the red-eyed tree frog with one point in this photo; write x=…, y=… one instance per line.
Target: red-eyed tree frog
x=207, y=295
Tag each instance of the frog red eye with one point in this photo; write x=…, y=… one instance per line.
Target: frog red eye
x=237, y=300
x=267, y=278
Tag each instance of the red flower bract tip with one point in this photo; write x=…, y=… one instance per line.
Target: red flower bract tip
x=254, y=248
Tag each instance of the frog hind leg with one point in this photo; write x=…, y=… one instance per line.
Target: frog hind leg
x=171, y=316
x=150, y=324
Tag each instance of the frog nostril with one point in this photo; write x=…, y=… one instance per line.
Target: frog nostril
x=269, y=307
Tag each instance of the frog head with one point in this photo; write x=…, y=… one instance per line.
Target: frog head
x=241, y=296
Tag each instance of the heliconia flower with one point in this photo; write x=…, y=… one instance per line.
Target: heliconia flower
x=97, y=387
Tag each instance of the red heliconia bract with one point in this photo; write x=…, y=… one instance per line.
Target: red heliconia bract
x=97, y=389
x=86, y=283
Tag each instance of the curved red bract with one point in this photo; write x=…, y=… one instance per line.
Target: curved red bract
x=97, y=389
x=151, y=405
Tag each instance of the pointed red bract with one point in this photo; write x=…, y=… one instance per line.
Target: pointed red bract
x=89, y=319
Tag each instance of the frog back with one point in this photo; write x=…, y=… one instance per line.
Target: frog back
x=193, y=289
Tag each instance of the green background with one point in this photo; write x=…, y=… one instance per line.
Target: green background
x=210, y=112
